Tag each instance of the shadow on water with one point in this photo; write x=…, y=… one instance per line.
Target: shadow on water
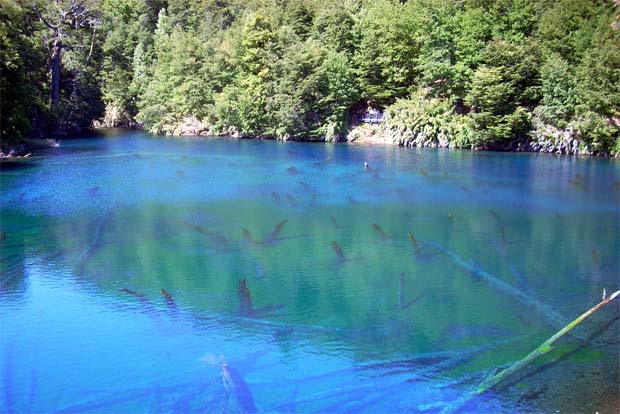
x=20, y=165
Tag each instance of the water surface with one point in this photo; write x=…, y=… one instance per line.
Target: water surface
x=263, y=314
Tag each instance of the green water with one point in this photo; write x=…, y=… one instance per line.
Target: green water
x=510, y=247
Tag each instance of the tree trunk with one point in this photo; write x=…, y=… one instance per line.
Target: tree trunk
x=55, y=71
x=545, y=347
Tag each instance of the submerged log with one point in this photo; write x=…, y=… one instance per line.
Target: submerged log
x=276, y=197
x=336, y=248
x=377, y=229
x=167, y=295
x=247, y=235
x=341, y=257
x=402, y=304
x=220, y=242
x=543, y=309
x=276, y=230
x=148, y=307
x=273, y=237
x=414, y=242
x=246, y=308
x=422, y=257
x=395, y=373
x=245, y=298
x=334, y=222
x=137, y=294
x=500, y=224
x=544, y=348
x=94, y=245
x=169, y=300
x=234, y=383
x=291, y=199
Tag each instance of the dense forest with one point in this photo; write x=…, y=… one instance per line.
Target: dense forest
x=506, y=74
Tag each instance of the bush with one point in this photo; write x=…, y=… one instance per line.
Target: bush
x=426, y=121
x=597, y=134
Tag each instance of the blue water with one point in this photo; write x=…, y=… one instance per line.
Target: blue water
x=510, y=247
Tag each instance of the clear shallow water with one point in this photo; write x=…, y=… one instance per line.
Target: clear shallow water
x=510, y=248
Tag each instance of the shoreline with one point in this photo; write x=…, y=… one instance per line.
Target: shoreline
x=523, y=145
x=397, y=132
x=24, y=150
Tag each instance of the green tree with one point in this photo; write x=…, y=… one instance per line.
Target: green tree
x=599, y=71
x=71, y=31
x=334, y=27
x=387, y=53
x=122, y=27
x=496, y=118
x=565, y=27
x=436, y=26
x=177, y=86
x=22, y=72
x=473, y=32
x=558, y=89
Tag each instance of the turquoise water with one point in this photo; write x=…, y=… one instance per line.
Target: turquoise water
x=510, y=247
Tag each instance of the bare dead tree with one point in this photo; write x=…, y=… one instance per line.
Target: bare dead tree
x=60, y=17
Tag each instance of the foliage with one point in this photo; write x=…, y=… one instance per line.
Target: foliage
x=122, y=26
x=303, y=69
x=430, y=121
x=599, y=72
x=597, y=134
x=501, y=89
x=21, y=59
x=387, y=51
x=176, y=87
x=559, y=96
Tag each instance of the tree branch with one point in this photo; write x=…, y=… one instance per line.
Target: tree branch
x=92, y=43
x=42, y=19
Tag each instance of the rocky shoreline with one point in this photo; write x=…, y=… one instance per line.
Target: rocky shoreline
x=551, y=140
x=544, y=139
x=24, y=150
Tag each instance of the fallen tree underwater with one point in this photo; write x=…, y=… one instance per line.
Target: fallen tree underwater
x=395, y=373
x=544, y=348
x=272, y=238
x=95, y=243
x=545, y=310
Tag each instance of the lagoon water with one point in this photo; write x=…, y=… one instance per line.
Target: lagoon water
x=510, y=247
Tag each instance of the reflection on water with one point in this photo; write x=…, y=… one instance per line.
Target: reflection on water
x=143, y=274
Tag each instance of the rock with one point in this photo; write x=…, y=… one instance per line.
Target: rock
x=190, y=126
x=367, y=134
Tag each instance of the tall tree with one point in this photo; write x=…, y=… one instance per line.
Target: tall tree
x=63, y=17
x=22, y=62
